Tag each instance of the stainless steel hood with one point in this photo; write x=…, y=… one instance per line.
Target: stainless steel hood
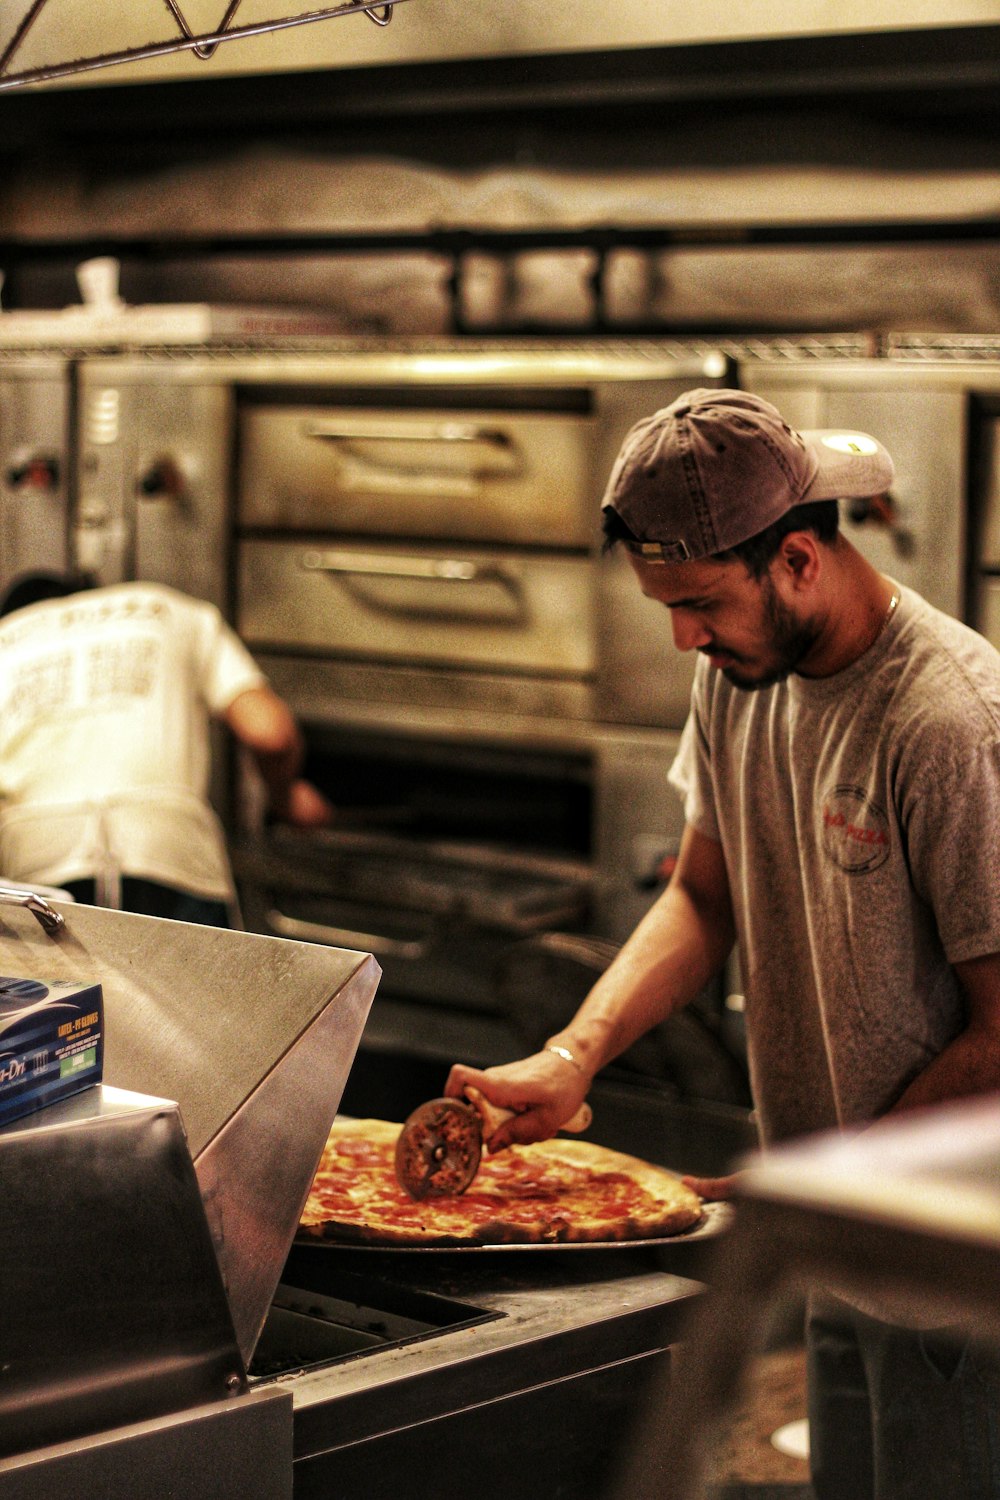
x=252, y=1036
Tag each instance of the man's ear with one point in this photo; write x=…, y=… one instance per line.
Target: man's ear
x=799, y=559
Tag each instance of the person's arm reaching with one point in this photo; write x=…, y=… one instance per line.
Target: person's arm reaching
x=265, y=725
x=679, y=945
x=970, y=1063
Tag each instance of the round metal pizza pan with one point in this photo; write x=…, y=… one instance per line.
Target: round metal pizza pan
x=716, y=1219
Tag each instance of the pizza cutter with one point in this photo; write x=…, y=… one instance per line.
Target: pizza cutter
x=441, y=1142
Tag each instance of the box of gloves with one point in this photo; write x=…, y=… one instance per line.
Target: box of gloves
x=51, y=1042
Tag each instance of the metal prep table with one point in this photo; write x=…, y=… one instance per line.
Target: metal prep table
x=537, y=1394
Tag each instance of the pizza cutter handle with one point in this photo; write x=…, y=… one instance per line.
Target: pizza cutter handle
x=493, y=1116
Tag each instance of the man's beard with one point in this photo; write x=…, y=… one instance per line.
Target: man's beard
x=790, y=641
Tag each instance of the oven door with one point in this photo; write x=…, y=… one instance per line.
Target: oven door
x=431, y=466
x=418, y=604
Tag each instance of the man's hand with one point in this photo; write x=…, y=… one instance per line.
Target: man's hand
x=713, y=1189
x=543, y=1090
x=264, y=724
x=306, y=807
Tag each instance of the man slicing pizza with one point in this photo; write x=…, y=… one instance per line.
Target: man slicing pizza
x=840, y=770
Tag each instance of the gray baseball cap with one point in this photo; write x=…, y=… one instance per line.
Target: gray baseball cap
x=717, y=466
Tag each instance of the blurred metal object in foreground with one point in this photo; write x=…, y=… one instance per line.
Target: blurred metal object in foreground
x=906, y=1213
x=252, y=1037
x=202, y=46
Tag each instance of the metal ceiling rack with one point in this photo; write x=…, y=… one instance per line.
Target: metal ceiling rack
x=203, y=45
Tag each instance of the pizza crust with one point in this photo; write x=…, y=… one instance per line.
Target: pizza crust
x=558, y=1191
x=673, y=1205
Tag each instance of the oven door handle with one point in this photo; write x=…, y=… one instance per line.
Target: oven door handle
x=366, y=474
x=436, y=569
x=342, y=937
x=360, y=431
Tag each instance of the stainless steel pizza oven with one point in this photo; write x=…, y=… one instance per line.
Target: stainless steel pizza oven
x=406, y=533
x=415, y=560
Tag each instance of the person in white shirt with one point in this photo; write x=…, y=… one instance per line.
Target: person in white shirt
x=107, y=696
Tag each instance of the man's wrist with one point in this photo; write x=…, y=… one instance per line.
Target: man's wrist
x=568, y=1055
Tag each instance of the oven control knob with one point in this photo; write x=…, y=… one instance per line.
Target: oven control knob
x=163, y=480
x=39, y=472
x=882, y=511
x=657, y=871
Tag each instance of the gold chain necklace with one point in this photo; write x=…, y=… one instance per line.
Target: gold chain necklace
x=888, y=614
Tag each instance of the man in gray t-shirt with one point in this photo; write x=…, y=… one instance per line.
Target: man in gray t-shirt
x=840, y=770
x=851, y=811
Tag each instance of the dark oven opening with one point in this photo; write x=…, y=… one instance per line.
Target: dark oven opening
x=513, y=800
x=445, y=855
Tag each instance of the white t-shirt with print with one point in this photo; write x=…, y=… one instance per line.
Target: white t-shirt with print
x=106, y=700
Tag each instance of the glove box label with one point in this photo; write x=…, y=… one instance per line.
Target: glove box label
x=51, y=1042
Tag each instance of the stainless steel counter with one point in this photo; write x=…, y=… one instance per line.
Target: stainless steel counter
x=546, y=1385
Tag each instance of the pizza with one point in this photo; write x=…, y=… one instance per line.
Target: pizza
x=553, y=1192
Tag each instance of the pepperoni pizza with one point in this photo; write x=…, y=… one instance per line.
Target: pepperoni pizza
x=554, y=1192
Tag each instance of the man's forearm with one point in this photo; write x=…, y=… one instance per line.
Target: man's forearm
x=266, y=727
x=675, y=950
x=969, y=1065
x=279, y=770
x=684, y=939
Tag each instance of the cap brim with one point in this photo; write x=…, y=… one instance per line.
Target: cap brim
x=850, y=465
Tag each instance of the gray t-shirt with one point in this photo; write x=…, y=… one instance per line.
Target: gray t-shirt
x=859, y=816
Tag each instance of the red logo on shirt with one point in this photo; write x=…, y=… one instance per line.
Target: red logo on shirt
x=855, y=830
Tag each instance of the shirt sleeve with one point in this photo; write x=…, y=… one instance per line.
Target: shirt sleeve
x=691, y=772
x=226, y=667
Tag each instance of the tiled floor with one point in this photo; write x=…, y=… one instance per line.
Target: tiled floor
x=747, y=1465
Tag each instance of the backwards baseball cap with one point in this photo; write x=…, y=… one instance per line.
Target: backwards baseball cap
x=718, y=466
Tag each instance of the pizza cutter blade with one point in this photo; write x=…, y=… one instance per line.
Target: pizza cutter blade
x=439, y=1148
x=441, y=1143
